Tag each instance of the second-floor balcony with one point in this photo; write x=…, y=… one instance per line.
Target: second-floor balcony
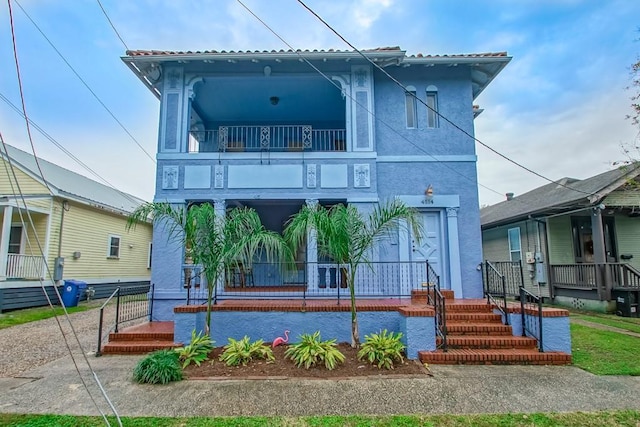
x=279, y=138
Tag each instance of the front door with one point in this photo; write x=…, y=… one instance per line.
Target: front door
x=429, y=248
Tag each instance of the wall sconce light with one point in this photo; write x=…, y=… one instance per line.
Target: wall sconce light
x=428, y=195
x=274, y=100
x=130, y=246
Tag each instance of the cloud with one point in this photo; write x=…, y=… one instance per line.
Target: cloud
x=366, y=12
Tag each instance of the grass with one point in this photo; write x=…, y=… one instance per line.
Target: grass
x=19, y=317
x=631, y=324
x=569, y=419
x=604, y=352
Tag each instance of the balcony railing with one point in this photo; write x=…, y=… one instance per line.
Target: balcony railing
x=25, y=266
x=283, y=138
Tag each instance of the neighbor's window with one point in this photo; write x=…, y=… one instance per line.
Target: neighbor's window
x=432, y=107
x=410, y=103
x=515, y=250
x=114, y=247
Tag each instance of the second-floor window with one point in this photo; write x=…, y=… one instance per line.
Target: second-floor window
x=410, y=104
x=114, y=247
x=432, y=107
x=515, y=250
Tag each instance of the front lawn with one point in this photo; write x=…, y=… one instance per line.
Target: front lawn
x=570, y=419
x=604, y=352
x=628, y=323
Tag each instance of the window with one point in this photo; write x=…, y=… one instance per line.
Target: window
x=410, y=103
x=15, y=239
x=114, y=247
x=432, y=107
x=515, y=251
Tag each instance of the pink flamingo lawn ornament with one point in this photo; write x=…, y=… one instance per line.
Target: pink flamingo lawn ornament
x=279, y=341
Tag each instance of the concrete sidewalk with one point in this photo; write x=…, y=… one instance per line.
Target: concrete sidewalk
x=56, y=388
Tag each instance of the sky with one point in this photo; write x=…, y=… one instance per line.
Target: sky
x=558, y=108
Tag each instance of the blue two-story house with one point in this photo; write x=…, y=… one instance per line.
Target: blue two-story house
x=266, y=130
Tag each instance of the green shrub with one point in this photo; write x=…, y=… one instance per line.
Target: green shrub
x=382, y=349
x=197, y=351
x=160, y=367
x=311, y=351
x=244, y=351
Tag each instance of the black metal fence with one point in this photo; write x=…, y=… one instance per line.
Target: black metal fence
x=307, y=281
x=495, y=288
x=531, y=311
x=513, y=275
x=131, y=303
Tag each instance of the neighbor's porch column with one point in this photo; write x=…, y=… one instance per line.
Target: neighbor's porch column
x=7, y=214
x=454, y=252
x=600, y=253
x=312, y=252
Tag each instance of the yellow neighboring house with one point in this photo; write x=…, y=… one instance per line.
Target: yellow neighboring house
x=77, y=223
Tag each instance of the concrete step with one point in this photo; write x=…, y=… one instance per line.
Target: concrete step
x=488, y=342
x=494, y=357
x=463, y=328
x=138, y=347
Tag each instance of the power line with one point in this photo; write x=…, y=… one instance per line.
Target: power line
x=65, y=151
x=363, y=106
x=435, y=111
x=112, y=26
x=86, y=85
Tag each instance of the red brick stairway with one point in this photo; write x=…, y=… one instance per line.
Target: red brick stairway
x=141, y=339
x=477, y=336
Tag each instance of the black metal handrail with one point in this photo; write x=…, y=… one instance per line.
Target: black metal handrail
x=531, y=312
x=495, y=288
x=437, y=300
x=132, y=303
x=513, y=275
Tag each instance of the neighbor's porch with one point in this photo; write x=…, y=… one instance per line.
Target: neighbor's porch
x=23, y=238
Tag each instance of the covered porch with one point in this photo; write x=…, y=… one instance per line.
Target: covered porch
x=23, y=240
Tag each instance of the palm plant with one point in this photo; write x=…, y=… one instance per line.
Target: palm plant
x=215, y=242
x=348, y=236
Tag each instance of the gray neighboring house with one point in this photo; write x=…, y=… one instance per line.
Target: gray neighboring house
x=576, y=241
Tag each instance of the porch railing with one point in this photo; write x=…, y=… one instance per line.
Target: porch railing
x=305, y=280
x=282, y=138
x=495, y=288
x=513, y=275
x=601, y=278
x=531, y=311
x=25, y=266
x=131, y=303
x=437, y=300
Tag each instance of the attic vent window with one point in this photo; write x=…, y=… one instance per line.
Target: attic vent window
x=410, y=105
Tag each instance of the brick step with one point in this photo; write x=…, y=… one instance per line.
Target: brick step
x=140, y=336
x=420, y=295
x=456, y=306
x=462, y=328
x=461, y=316
x=494, y=357
x=138, y=347
x=488, y=342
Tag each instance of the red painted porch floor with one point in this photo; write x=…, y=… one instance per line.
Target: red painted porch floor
x=475, y=334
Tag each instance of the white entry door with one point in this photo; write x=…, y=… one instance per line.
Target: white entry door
x=429, y=248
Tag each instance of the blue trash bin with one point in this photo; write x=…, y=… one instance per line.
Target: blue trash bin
x=72, y=291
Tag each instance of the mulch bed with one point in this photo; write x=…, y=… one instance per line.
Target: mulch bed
x=285, y=368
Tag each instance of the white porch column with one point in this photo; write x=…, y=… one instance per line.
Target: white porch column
x=7, y=213
x=454, y=252
x=312, y=252
x=220, y=209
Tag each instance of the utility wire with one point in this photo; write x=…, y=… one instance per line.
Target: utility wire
x=86, y=85
x=40, y=248
x=112, y=26
x=391, y=128
x=434, y=110
x=67, y=152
